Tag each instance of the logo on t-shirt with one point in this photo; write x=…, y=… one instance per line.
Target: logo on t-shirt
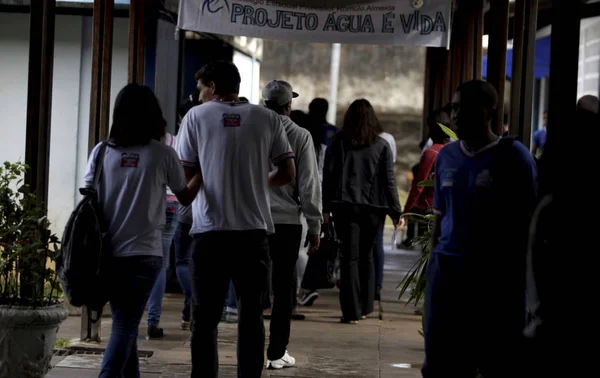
x=484, y=179
x=232, y=120
x=129, y=160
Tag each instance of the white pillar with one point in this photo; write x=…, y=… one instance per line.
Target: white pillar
x=334, y=82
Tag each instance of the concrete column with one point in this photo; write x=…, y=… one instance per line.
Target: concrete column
x=334, y=82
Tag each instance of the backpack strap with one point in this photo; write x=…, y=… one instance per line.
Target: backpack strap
x=99, y=164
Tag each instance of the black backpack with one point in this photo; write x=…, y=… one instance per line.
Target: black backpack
x=79, y=263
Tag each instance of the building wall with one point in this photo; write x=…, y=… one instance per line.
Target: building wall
x=70, y=103
x=390, y=77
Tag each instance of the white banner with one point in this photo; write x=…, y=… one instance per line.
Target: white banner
x=387, y=22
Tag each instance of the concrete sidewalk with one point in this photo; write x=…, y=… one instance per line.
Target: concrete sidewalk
x=323, y=347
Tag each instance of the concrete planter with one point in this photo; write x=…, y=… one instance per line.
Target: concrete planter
x=27, y=337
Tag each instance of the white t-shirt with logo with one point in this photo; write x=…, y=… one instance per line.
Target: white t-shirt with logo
x=131, y=195
x=232, y=143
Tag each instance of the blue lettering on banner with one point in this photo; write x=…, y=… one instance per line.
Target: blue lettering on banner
x=312, y=21
x=423, y=23
x=352, y=23
x=417, y=21
x=213, y=6
x=387, y=24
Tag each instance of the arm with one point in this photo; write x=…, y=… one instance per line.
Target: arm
x=390, y=188
x=534, y=143
x=282, y=155
x=328, y=186
x=436, y=231
x=177, y=181
x=425, y=167
x=438, y=205
x=309, y=189
x=284, y=173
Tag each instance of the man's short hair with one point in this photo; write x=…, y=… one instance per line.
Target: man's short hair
x=224, y=74
x=478, y=93
x=588, y=103
x=319, y=107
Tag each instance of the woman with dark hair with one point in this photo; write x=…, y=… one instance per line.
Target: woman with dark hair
x=136, y=170
x=359, y=190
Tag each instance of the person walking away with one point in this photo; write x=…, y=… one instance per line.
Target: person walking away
x=420, y=198
x=317, y=110
x=308, y=297
x=539, y=138
x=137, y=168
x=482, y=184
x=231, y=143
x=301, y=196
x=379, y=256
x=183, y=240
x=168, y=233
x=359, y=190
x=550, y=328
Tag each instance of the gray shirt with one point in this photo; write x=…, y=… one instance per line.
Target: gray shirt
x=303, y=195
x=131, y=195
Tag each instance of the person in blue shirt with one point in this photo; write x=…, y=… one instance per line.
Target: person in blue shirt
x=317, y=110
x=539, y=138
x=485, y=192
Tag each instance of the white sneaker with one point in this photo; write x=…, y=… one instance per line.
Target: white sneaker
x=286, y=361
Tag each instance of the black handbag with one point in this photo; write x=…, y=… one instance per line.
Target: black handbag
x=321, y=269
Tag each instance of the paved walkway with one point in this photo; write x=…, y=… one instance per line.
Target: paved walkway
x=323, y=347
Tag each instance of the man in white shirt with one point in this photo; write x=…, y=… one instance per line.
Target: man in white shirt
x=232, y=144
x=288, y=203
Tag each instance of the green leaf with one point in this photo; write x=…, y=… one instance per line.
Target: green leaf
x=448, y=131
x=426, y=183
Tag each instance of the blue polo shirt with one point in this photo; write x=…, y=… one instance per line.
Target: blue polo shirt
x=482, y=197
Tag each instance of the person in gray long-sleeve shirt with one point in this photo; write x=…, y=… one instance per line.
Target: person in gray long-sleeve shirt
x=288, y=203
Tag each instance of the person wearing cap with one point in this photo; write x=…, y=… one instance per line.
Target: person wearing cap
x=231, y=144
x=288, y=203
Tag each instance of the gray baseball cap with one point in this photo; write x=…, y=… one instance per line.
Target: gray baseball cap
x=278, y=91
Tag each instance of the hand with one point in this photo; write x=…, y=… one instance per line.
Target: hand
x=399, y=223
x=325, y=225
x=314, y=241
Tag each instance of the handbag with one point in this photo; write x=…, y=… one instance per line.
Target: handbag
x=323, y=267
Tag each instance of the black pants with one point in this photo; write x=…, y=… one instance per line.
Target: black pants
x=489, y=331
x=218, y=257
x=357, y=226
x=284, y=247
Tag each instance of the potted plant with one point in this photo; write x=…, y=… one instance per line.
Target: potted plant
x=30, y=311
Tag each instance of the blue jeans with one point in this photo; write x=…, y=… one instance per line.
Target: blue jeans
x=231, y=301
x=183, y=248
x=158, y=292
x=129, y=289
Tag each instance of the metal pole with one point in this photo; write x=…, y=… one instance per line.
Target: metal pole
x=334, y=82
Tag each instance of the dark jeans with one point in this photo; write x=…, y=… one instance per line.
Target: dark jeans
x=218, y=257
x=489, y=332
x=183, y=249
x=379, y=255
x=132, y=279
x=284, y=247
x=357, y=227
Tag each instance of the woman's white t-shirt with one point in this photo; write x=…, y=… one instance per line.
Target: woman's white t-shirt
x=131, y=195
